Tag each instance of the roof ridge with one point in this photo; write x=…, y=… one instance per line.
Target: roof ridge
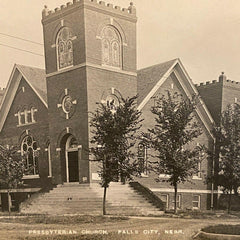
x=158, y=64
x=21, y=65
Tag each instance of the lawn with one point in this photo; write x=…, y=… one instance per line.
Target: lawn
x=105, y=228
x=223, y=229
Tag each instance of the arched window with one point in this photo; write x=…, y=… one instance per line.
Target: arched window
x=29, y=150
x=49, y=161
x=33, y=110
x=142, y=156
x=64, y=48
x=111, y=47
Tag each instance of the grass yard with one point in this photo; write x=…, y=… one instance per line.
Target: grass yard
x=105, y=228
x=223, y=229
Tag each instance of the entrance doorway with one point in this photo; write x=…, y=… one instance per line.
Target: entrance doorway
x=73, y=166
x=72, y=161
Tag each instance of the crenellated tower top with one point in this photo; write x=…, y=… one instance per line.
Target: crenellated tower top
x=221, y=80
x=130, y=11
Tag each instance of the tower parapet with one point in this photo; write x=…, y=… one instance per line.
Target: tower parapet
x=130, y=11
x=222, y=80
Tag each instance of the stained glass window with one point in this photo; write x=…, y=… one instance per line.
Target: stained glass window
x=64, y=48
x=111, y=47
x=29, y=149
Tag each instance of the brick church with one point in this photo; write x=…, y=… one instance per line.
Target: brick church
x=90, y=56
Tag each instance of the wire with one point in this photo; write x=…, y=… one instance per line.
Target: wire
x=21, y=50
x=23, y=39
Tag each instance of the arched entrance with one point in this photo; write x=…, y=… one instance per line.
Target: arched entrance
x=70, y=159
x=72, y=164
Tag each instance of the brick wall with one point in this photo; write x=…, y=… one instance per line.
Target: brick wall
x=12, y=134
x=193, y=185
x=95, y=20
x=51, y=26
x=86, y=84
x=75, y=82
x=218, y=94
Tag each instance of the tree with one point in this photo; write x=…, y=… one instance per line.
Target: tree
x=114, y=134
x=228, y=139
x=11, y=170
x=174, y=130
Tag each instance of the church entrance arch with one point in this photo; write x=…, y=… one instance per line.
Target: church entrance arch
x=70, y=159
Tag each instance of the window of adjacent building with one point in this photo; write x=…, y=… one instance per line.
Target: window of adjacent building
x=111, y=47
x=165, y=199
x=196, y=201
x=29, y=150
x=198, y=175
x=26, y=116
x=179, y=197
x=64, y=48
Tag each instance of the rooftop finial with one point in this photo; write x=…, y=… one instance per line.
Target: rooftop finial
x=132, y=8
x=222, y=77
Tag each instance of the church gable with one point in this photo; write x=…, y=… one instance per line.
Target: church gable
x=149, y=77
x=26, y=110
x=25, y=94
x=172, y=77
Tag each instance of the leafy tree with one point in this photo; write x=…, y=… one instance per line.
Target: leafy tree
x=228, y=140
x=11, y=170
x=174, y=130
x=114, y=133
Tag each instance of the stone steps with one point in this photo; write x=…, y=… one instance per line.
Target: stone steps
x=87, y=199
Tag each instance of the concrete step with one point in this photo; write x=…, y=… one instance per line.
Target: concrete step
x=87, y=199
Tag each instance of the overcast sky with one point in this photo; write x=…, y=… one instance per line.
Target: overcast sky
x=204, y=34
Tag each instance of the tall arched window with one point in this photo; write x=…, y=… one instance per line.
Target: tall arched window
x=111, y=47
x=49, y=161
x=29, y=150
x=64, y=48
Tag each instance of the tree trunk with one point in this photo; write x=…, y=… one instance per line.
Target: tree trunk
x=229, y=201
x=104, y=200
x=175, y=198
x=9, y=202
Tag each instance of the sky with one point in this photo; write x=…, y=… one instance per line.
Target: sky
x=204, y=34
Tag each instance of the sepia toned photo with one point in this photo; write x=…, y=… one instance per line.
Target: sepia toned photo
x=119, y=120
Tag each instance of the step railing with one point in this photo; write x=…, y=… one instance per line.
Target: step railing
x=149, y=195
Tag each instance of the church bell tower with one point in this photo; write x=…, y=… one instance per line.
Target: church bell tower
x=90, y=57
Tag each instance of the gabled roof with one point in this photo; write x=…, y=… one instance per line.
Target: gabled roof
x=151, y=79
x=148, y=77
x=36, y=79
x=1, y=94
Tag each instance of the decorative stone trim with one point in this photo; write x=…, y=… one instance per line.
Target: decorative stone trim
x=112, y=69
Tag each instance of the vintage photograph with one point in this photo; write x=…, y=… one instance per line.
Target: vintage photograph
x=119, y=120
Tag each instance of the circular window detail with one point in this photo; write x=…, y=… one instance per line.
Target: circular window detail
x=112, y=102
x=112, y=99
x=67, y=104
